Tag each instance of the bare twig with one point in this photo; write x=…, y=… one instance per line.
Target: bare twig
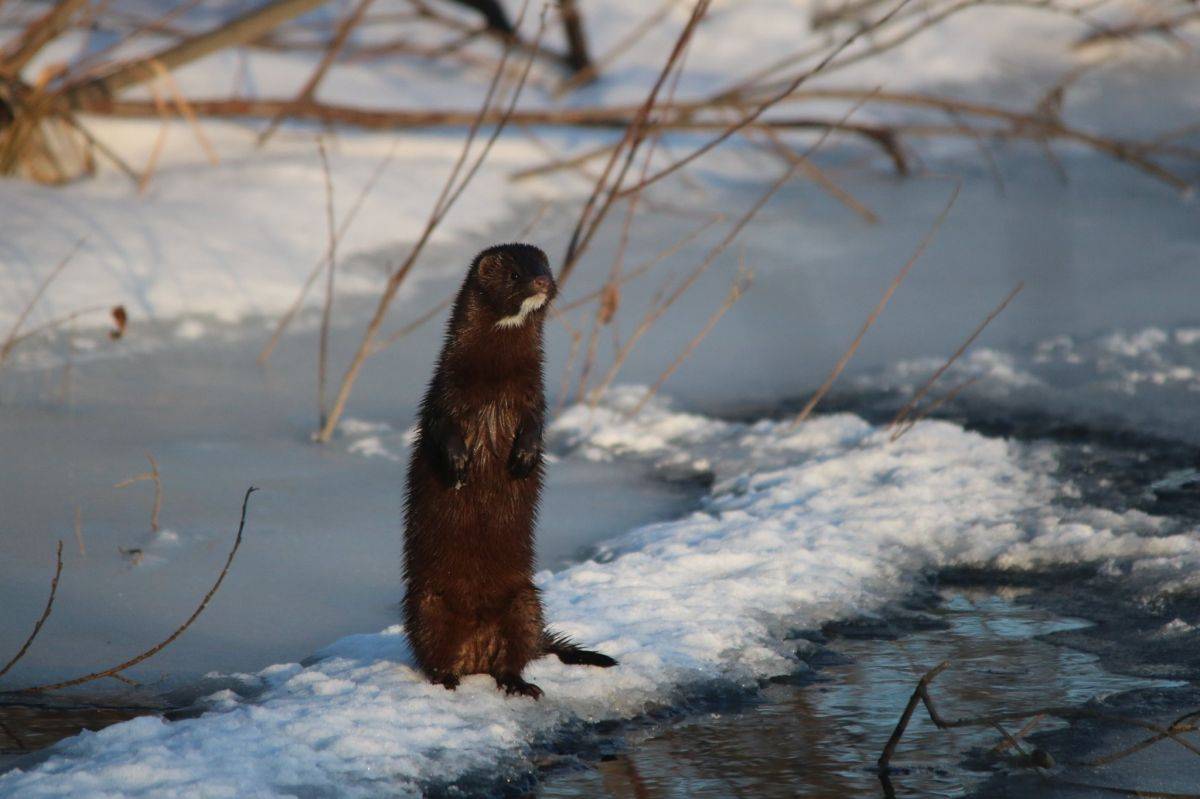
x=14, y=337
x=1038, y=758
x=309, y=90
x=79, y=532
x=450, y=193
x=592, y=214
x=820, y=393
x=154, y=650
x=660, y=307
x=741, y=283
x=901, y=423
x=38, y=34
x=37, y=628
x=763, y=107
x=331, y=270
x=153, y=477
x=288, y=315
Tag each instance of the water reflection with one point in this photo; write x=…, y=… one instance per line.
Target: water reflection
x=822, y=739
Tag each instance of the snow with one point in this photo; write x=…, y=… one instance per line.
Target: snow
x=800, y=527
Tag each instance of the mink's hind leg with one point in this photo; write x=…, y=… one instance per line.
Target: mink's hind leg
x=521, y=629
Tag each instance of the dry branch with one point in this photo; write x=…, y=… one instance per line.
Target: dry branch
x=152, y=476
x=245, y=28
x=347, y=221
x=37, y=628
x=1038, y=758
x=450, y=193
x=154, y=650
x=901, y=423
x=741, y=283
x=14, y=336
x=591, y=216
x=309, y=90
x=820, y=393
x=330, y=272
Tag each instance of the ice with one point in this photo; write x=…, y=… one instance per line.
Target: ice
x=801, y=526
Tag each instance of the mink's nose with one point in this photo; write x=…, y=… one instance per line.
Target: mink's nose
x=540, y=284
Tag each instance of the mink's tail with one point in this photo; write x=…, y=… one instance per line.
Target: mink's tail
x=572, y=653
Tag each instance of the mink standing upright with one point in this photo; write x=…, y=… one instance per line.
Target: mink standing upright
x=473, y=484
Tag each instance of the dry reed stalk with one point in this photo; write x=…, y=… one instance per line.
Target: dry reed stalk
x=160, y=140
x=37, y=628
x=450, y=193
x=69, y=318
x=152, y=476
x=900, y=423
x=648, y=264
x=79, y=532
x=188, y=114
x=658, y=307
x=286, y=319
x=610, y=295
x=819, y=176
x=591, y=216
x=838, y=367
x=331, y=270
x=14, y=334
x=332, y=51
x=750, y=118
x=154, y=650
x=741, y=283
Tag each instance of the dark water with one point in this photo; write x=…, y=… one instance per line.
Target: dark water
x=823, y=737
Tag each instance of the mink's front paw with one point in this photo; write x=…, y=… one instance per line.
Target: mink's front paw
x=524, y=459
x=456, y=460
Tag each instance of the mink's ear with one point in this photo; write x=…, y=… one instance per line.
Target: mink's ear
x=488, y=265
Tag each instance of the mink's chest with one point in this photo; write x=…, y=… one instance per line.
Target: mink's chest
x=489, y=426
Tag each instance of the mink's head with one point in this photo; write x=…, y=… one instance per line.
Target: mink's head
x=514, y=283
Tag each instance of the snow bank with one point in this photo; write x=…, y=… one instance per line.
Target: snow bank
x=1146, y=379
x=800, y=527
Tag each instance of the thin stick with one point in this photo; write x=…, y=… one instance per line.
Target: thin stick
x=332, y=52
x=160, y=141
x=657, y=309
x=37, y=628
x=154, y=650
x=894, y=739
x=331, y=270
x=838, y=367
x=12, y=338
x=152, y=476
x=646, y=265
x=743, y=281
x=79, y=532
x=591, y=216
x=347, y=221
x=897, y=424
x=186, y=111
x=445, y=201
x=748, y=119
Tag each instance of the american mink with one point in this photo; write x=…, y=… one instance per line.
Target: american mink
x=473, y=484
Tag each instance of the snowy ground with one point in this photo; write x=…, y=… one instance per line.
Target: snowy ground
x=798, y=527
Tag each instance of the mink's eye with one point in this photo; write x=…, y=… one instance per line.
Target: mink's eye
x=514, y=275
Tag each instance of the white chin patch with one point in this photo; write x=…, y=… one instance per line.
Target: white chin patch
x=529, y=305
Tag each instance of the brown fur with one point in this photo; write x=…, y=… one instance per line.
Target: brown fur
x=474, y=479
